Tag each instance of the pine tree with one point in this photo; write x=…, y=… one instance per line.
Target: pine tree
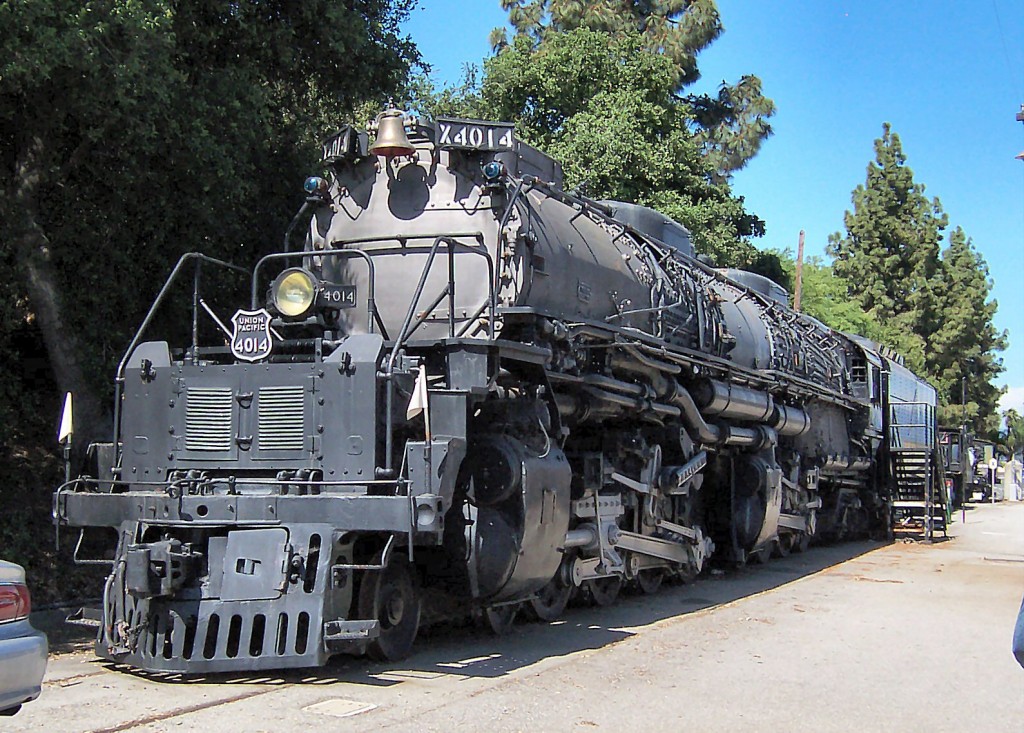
x=891, y=249
x=676, y=29
x=607, y=110
x=933, y=304
x=965, y=341
x=729, y=126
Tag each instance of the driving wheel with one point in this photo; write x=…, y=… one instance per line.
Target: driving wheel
x=650, y=580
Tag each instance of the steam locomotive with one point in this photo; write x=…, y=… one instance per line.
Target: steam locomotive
x=469, y=391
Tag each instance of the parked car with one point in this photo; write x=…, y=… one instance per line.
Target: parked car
x=23, y=649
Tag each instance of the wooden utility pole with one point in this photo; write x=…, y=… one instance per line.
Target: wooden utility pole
x=799, y=272
x=1020, y=118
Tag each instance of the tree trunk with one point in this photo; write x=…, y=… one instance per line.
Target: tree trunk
x=63, y=345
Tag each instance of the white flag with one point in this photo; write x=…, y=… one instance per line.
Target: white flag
x=418, y=403
x=66, y=423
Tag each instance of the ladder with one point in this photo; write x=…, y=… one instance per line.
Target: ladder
x=918, y=502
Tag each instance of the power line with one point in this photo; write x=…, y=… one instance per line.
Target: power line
x=1006, y=50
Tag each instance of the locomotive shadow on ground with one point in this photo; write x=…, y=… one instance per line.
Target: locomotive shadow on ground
x=463, y=650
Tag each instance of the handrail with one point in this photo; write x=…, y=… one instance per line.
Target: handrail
x=157, y=302
x=407, y=327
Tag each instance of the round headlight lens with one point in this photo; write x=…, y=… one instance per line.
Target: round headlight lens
x=294, y=292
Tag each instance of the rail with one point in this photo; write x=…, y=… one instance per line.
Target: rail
x=157, y=302
x=911, y=426
x=408, y=327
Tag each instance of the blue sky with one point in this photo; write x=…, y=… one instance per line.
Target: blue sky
x=948, y=76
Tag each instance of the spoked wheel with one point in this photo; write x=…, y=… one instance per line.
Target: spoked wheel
x=391, y=596
x=649, y=581
x=551, y=600
x=780, y=548
x=603, y=591
x=501, y=619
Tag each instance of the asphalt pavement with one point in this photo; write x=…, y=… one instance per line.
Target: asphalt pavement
x=862, y=636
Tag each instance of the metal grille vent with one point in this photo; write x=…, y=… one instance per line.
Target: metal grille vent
x=281, y=424
x=208, y=418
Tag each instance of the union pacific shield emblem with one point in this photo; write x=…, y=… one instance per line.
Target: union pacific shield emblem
x=251, y=338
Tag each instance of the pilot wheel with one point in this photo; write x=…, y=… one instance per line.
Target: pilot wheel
x=391, y=596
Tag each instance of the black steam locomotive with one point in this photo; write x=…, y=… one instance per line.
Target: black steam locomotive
x=470, y=391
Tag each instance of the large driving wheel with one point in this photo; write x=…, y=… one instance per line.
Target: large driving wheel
x=391, y=596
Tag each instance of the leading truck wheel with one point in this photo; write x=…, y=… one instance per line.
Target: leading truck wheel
x=650, y=580
x=500, y=619
x=551, y=600
x=391, y=596
x=603, y=591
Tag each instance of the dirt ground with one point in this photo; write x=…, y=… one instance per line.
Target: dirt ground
x=858, y=637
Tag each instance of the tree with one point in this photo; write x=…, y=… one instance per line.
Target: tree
x=134, y=130
x=964, y=342
x=606, y=108
x=932, y=302
x=675, y=29
x=729, y=126
x=890, y=254
x=1012, y=434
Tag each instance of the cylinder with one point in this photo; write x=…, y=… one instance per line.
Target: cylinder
x=790, y=421
x=714, y=397
x=742, y=436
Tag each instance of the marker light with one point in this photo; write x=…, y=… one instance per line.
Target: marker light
x=315, y=185
x=493, y=170
x=293, y=292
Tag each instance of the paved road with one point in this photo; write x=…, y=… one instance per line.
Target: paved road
x=861, y=637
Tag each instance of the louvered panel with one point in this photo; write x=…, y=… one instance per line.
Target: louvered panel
x=281, y=424
x=208, y=418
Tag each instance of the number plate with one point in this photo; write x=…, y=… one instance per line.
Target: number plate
x=474, y=135
x=250, y=340
x=346, y=144
x=337, y=296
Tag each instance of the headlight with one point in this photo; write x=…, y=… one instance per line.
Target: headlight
x=293, y=292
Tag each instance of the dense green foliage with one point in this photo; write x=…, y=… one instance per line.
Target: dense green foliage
x=607, y=109
x=1011, y=437
x=729, y=127
x=824, y=297
x=132, y=131
x=932, y=303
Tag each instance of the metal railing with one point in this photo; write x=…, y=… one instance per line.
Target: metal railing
x=408, y=327
x=157, y=302
x=912, y=426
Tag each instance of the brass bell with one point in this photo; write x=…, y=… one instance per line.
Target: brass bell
x=391, y=139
